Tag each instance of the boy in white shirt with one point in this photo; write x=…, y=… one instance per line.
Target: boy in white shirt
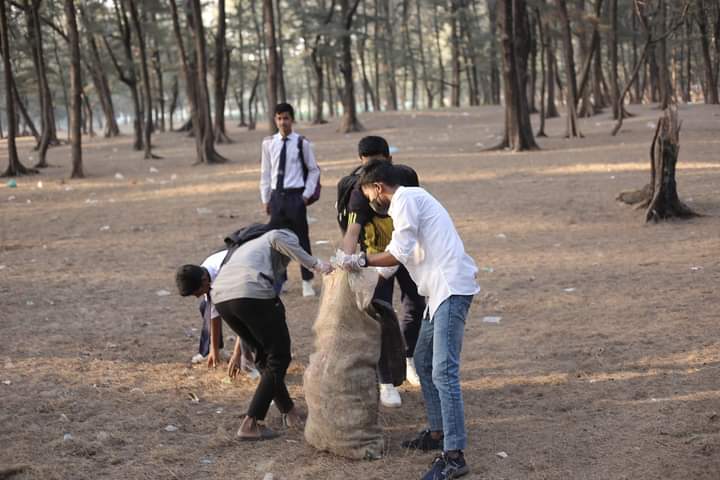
x=426, y=242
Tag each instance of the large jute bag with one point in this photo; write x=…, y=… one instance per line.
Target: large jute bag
x=340, y=381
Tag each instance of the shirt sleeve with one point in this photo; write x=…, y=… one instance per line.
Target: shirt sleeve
x=313, y=170
x=359, y=210
x=265, y=173
x=404, y=237
x=287, y=243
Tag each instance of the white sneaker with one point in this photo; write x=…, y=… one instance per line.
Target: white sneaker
x=389, y=396
x=411, y=374
x=197, y=358
x=308, y=290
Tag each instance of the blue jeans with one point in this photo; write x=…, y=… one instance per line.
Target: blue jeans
x=437, y=361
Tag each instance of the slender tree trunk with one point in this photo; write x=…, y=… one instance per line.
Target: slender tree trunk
x=157, y=67
x=75, y=89
x=551, y=110
x=88, y=114
x=240, y=92
x=145, y=76
x=219, y=77
x=441, y=67
x=272, y=63
x=661, y=56
x=613, y=50
x=47, y=115
x=349, y=121
x=711, y=88
x=175, y=93
x=24, y=113
x=454, y=54
x=423, y=64
x=543, y=73
x=389, y=57
x=494, y=70
x=687, y=94
x=572, y=129
x=15, y=168
x=280, y=55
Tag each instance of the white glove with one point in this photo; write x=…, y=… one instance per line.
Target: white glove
x=323, y=267
x=387, y=272
x=349, y=263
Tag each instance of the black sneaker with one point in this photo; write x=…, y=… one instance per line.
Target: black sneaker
x=424, y=442
x=446, y=468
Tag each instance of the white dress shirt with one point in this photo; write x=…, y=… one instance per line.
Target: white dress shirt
x=212, y=265
x=271, y=147
x=426, y=242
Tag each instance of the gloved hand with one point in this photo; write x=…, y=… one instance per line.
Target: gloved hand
x=323, y=267
x=351, y=263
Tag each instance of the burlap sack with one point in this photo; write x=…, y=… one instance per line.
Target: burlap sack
x=340, y=381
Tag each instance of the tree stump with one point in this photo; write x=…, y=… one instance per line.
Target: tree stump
x=660, y=196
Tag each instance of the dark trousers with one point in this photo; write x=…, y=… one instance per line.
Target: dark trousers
x=413, y=307
x=204, y=347
x=288, y=208
x=261, y=323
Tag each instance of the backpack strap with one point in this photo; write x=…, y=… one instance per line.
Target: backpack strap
x=301, y=154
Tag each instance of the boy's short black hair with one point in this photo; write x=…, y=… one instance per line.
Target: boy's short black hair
x=189, y=279
x=285, y=108
x=378, y=170
x=373, y=146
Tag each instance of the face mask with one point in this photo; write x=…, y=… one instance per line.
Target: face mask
x=380, y=205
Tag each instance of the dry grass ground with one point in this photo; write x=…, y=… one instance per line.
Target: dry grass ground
x=616, y=379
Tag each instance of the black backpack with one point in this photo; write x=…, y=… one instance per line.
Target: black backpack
x=344, y=189
x=239, y=237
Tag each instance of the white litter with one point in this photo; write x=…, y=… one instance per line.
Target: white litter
x=67, y=437
x=28, y=201
x=696, y=269
x=206, y=461
x=173, y=176
x=322, y=242
x=219, y=410
x=29, y=303
x=154, y=170
x=502, y=454
x=64, y=418
x=171, y=428
x=612, y=177
x=7, y=382
x=11, y=198
x=269, y=476
x=569, y=290
x=40, y=184
x=2, y=267
x=69, y=189
x=203, y=211
x=479, y=144
x=501, y=235
x=162, y=293
x=311, y=220
x=494, y=320
x=105, y=228
x=119, y=176
x=650, y=125
x=91, y=201
x=150, y=180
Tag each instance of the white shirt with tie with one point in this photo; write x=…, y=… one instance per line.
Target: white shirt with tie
x=270, y=163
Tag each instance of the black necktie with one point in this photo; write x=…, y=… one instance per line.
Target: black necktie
x=280, y=185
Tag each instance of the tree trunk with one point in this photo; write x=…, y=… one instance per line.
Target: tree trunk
x=518, y=134
x=349, y=121
x=88, y=115
x=145, y=76
x=423, y=64
x=272, y=63
x=24, y=113
x=280, y=55
x=389, y=57
x=711, y=87
x=572, y=129
x=157, y=67
x=660, y=197
x=687, y=96
x=47, y=115
x=175, y=93
x=441, y=67
x=240, y=91
x=494, y=69
x=75, y=90
x=219, y=77
x=551, y=110
x=129, y=78
x=15, y=168
x=543, y=73
x=454, y=55
x=661, y=58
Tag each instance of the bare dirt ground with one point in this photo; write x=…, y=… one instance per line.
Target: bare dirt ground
x=605, y=364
